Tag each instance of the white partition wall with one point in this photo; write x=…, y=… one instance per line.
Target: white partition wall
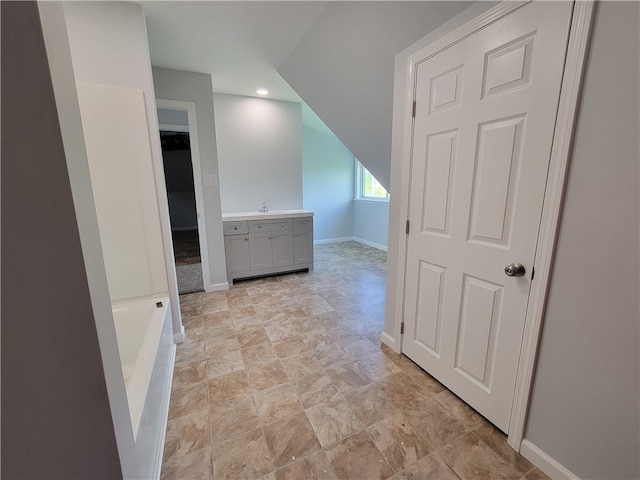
x=120, y=163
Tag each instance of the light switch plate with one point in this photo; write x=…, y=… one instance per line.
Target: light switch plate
x=211, y=180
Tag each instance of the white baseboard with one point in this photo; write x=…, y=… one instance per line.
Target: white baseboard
x=217, y=287
x=371, y=244
x=351, y=239
x=180, y=336
x=545, y=463
x=388, y=340
x=165, y=416
x=333, y=240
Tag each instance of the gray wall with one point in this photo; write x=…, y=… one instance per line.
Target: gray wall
x=56, y=419
x=260, y=153
x=371, y=222
x=197, y=88
x=343, y=69
x=584, y=407
x=327, y=181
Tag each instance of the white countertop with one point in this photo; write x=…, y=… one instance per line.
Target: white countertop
x=239, y=216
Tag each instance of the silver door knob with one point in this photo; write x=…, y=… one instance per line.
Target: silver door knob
x=514, y=270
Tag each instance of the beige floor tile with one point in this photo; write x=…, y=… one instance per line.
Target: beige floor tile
x=463, y=412
x=276, y=403
x=289, y=346
x=188, y=399
x=333, y=355
x=498, y=443
x=398, y=441
x=356, y=457
x=332, y=421
x=348, y=377
x=317, y=337
x=250, y=335
x=404, y=390
x=536, y=474
x=190, y=373
x=313, y=467
x=261, y=353
x=195, y=465
x=233, y=418
x=471, y=458
x=274, y=346
x=221, y=363
x=299, y=366
x=290, y=438
x=266, y=375
x=243, y=456
x=279, y=331
x=187, y=434
x=228, y=387
x=431, y=467
x=434, y=422
x=314, y=389
x=370, y=404
x=190, y=352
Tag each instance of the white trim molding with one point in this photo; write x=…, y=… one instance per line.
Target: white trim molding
x=350, y=239
x=546, y=463
x=388, y=340
x=333, y=240
x=190, y=108
x=216, y=287
x=454, y=31
x=379, y=246
x=169, y=127
x=560, y=150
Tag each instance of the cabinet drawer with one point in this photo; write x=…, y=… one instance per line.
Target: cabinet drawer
x=232, y=228
x=303, y=223
x=256, y=226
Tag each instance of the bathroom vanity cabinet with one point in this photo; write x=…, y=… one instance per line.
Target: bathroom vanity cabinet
x=258, y=244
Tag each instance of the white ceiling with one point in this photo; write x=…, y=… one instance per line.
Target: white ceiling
x=240, y=43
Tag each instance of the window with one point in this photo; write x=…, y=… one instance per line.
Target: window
x=367, y=187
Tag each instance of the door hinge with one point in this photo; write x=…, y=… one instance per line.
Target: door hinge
x=406, y=228
x=413, y=113
x=402, y=328
x=533, y=272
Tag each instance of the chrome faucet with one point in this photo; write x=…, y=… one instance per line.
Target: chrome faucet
x=264, y=208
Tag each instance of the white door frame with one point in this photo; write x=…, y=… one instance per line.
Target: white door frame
x=190, y=108
x=401, y=170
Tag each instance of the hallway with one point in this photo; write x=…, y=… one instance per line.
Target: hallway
x=285, y=378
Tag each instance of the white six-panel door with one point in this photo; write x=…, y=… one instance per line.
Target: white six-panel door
x=484, y=122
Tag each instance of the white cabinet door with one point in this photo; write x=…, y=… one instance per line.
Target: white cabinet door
x=236, y=251
x=260, y=250
x=303, y=247
x=484, y=124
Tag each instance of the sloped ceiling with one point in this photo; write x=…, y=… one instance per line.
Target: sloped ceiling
x=240, y=43
x=343, y=69
x=337, y=57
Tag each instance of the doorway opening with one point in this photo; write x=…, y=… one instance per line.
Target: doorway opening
x=179, y=179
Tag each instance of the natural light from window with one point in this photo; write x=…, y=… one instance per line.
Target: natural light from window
x=368, y=187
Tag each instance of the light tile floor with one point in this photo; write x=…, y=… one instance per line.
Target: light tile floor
x=285, y=378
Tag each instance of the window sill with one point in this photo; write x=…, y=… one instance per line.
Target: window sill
x=368, y=200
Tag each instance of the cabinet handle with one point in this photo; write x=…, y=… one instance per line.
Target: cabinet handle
x=282, y=224
x=274, y=236
x=246, y=239
x=235, y=228
x=259, y=226
x=295, y=235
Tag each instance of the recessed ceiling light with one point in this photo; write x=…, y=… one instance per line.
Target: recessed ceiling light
x=262, y=91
